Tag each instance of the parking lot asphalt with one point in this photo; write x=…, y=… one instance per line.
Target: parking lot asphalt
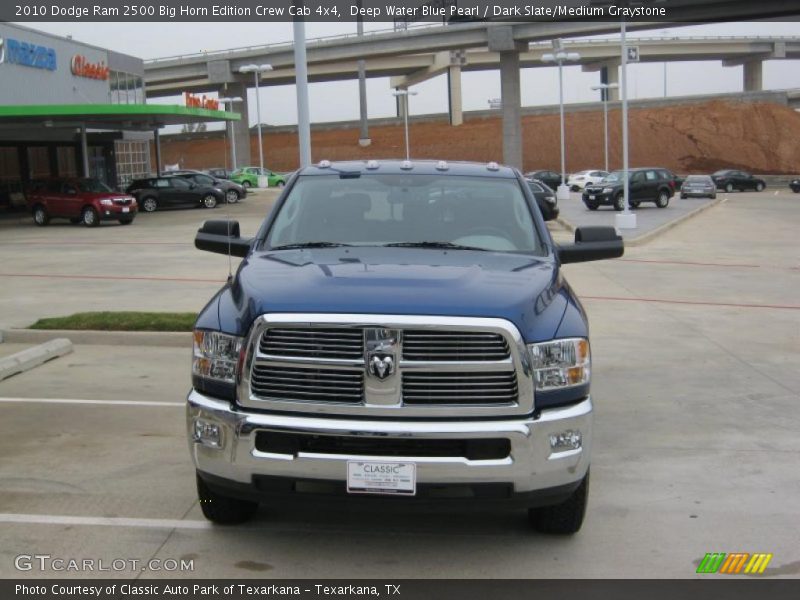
x=696, y=383
x=649, y=217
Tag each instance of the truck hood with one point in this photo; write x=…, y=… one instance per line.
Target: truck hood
x=525, y=290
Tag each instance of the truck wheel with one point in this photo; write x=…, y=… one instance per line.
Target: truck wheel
x=40, y=216
x=223, y=510
x=565, y=518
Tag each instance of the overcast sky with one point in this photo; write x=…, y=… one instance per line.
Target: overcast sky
x=337, y=101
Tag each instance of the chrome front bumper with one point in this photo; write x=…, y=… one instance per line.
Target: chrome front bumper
x=531, y=465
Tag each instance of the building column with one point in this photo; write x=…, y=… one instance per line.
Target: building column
x=753, y=76
x=242, y=126
x=157, y=144
x=454, y=101
x=84, y=151
x=512, y=113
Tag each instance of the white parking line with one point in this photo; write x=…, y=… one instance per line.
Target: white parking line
x=81, y=401
x=106, y=521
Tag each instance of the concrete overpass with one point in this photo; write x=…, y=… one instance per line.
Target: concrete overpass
x=414, y=55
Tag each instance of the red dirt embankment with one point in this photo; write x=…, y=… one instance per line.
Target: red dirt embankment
x=690, y=138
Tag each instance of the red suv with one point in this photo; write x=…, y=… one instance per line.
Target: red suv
x=86, y=201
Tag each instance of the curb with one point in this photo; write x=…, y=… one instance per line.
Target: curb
x=33, y=357
x=168, y=339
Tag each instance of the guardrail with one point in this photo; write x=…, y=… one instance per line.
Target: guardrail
x=585, y=42
x=289, y=44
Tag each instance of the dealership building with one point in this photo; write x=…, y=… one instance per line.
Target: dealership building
x=69, y=109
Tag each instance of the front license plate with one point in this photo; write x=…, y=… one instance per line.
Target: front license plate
x=591, y=197
x=367, y=477
x=126, y=209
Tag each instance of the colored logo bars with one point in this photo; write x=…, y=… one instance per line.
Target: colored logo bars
x=735, y=563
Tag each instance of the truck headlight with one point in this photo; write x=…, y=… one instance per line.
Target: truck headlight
x=216, y=356
x=560, y=364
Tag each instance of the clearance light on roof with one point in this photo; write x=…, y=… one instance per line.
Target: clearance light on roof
x=372, y=164
x=324, y=164
x=406, y=165
x=442, y=165
x=493, y=166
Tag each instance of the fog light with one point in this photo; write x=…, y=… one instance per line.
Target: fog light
x=208, y=434
x=565, y=440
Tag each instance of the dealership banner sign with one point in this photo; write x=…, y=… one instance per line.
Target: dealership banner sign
x=398, y=11
x=26, y=54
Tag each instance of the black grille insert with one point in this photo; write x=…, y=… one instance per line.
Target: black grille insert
x=291, y=443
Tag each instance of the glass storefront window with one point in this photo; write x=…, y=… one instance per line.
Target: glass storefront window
x=38, y=162
x=67, y=161
x=133, y=160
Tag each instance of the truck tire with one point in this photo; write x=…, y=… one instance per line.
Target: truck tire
x=565, y=518
x=221, y=509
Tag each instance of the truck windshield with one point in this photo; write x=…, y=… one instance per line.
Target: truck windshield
x=485, y=213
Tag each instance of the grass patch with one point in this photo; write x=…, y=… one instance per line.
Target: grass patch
x=120, y=321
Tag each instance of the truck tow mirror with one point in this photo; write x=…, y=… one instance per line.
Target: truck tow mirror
x=592, y=243
x=222, y=236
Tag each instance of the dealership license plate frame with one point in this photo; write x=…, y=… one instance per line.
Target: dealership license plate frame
x=402, y=484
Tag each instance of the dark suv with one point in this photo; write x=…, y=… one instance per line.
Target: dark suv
x=173, y=192
x=645, y=185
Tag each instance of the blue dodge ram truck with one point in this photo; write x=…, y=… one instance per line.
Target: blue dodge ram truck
x=397, y=331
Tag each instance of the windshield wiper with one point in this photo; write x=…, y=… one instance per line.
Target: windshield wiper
x=309, y=245
x=445, y=245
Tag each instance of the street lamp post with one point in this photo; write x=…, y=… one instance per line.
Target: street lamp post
x=257, y=70
x=226, y=101
x=604, y=87
x=626, y=219
x=559, y=57
x=405, y=94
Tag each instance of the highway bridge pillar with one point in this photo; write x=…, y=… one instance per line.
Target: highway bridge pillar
x=610, y=74
x=400, y=102
x=242, y=126
x=753, y=76
x=454, y=95
x=512, y=113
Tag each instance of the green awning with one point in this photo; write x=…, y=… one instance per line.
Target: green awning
x=110, y=116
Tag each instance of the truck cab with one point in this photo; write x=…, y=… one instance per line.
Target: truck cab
x=397, y=331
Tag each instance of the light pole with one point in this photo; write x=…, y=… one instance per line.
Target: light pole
x=626, y=219
x=405, y=94
x=231, y=101
x=559, y=57
x=257, y=70
x=604, y=87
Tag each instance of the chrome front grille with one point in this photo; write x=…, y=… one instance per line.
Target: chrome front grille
x=453, y=345
x=459, y=388
x=313, y=342
x=307, y=384
x=377, y=365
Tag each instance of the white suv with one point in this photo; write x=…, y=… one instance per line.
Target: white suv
x=578, y=181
